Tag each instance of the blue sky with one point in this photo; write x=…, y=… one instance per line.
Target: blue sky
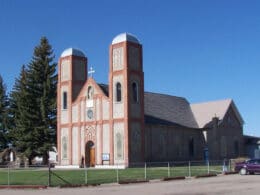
x=202, y=50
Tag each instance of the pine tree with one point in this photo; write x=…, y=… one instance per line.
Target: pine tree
x=21, y=130
x=3, y=115
x=33, y=105
x=42, y=81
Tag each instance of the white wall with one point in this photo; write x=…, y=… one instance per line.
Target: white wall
x=98, y=145
x=105, y=109
x=75, y=146
x=65, y=70
x=106, y=138
x=75, y=116
x=118, y=58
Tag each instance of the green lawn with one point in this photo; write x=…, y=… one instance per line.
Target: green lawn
x=96, y=176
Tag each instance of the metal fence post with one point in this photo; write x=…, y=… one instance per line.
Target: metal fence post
x=8, y=176
x=49, y=175
x=117, y=176
x=208, y=166
x=145, y=176
x=168, y=169
x=189, y=170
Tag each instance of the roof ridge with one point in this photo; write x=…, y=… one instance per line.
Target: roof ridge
x=212, y=101
x=163, y=94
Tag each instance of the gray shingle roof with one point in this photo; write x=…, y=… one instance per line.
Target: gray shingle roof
x=166, y=109
x=104, y=88
x=172, y=110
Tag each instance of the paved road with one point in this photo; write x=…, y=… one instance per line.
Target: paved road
x=231, y=184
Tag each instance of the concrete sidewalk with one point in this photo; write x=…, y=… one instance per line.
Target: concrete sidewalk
x=229, y=184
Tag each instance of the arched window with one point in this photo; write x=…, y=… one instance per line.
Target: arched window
x=135, y=92
x=64, y=100
x=118, y=92
x=90, y=92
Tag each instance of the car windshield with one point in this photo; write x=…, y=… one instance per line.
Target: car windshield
x=253, y=161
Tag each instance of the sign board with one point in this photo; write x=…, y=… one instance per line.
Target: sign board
x=105, y=157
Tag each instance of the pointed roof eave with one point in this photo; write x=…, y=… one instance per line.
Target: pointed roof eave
x=237, y=113
x=235, y=109
x=205, y=111
x=225, y=109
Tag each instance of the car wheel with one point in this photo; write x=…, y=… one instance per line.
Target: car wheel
x=242, y=171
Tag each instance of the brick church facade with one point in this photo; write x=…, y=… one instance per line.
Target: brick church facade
x=119, y=123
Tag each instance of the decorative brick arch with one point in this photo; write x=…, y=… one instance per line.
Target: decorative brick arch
x=90, y=144
x=90, y=134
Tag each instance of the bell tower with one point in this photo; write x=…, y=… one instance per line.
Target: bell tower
x=126, y=95
x=72, y=74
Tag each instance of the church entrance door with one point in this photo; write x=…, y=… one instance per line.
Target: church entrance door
x=92, y=157
x=90, y=154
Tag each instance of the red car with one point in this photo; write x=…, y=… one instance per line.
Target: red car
x=248, y=167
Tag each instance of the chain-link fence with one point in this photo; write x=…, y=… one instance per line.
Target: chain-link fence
x=33, y=175
x=50, y=176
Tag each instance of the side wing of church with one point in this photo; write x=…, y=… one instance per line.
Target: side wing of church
x=120, y=124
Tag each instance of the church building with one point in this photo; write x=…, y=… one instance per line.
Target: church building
x=121, y=124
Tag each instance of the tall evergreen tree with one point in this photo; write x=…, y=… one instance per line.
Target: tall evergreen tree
x=21, y=131
x=3, y=115
x=42, y=81
x=35, y=97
